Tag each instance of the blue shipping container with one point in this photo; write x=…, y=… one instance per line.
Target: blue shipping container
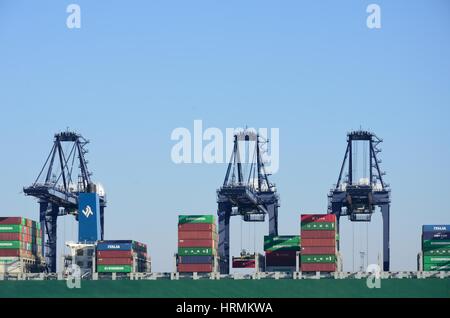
x=114, y=246
x=195, y=259
x=436, y=228
x=436, y=235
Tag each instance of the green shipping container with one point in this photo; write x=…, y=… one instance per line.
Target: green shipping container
x=5, y=228
x=318, y=258
x=282, y=243
x=315, y=226
x=429, y=245
x=196, y=251
x=184, y=219
x=436, y=259
x=437, y=252
x=434, y=267
x=10, y=245
x=114, y=268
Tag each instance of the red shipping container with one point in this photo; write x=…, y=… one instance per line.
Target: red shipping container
x=115, y=261
x=9, y=252
x=244, y=263
x=318, y=234
x=199, y=268
x=318, y=242
x=281, y=258
x=197, y=227
x=191, y=235
x=114, y=254
x=11, y=220
x=308, y=218
x=197, y=243
x=318, y=250
x=10, y=237
x=318, y=267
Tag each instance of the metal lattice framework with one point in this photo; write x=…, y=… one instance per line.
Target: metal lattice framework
x=357, y=200
x=64, y=175
x=252, y=197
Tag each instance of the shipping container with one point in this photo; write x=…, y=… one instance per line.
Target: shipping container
x=434, y=267
x=436, y=236
x=439, y=251
x=115, y=261
x=183, y=219
x=281, y=258
x=318, y=250
x=114, y=254
x=436, y=228
x=309, y=218
x=243, y=263
x=6, y=228
x=11, y=244
x=197, y=243
x=113, y=246
x=284, y=242
x=197, y=227
x=191, y=268
x=199, y=251
x=195, y=259
x=191, y=235
x=428, y=245
x=441, y=259
x=13, y=220
x=9, y=260
x=318, y=259
x=319, y=242
x=318, y=267
x=114, y=269
x=319, y=234
x=12, y=237
x=321, y=226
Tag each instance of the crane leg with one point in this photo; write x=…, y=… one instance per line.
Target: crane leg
x=102, y=222
x=224, y=213
x=386, y=239
x=273, y=219
x=43, y=207
x=51, y=226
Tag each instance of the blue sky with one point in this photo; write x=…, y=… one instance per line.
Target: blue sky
x=138, y=69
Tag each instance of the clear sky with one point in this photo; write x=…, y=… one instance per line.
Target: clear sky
x=136, y=70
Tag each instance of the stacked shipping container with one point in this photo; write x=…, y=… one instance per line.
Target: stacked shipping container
x=436, y=247
x=20, y=239
x=281, y=251
x=197, y=243
x=318, y=233
x=121, y=257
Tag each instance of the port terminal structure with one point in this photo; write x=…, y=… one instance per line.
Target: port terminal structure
x=357, y=199
x=252, y=196
x=62, y=180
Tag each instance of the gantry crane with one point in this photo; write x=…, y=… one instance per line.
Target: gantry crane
x=357, y=199
x=58, y=192
x=252, y=197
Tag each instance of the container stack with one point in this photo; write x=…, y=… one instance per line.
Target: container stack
x=281, y=252
x=122, y=257
x=436, y=247
x=318, y=233
x=197, y=244
x=20, y=242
